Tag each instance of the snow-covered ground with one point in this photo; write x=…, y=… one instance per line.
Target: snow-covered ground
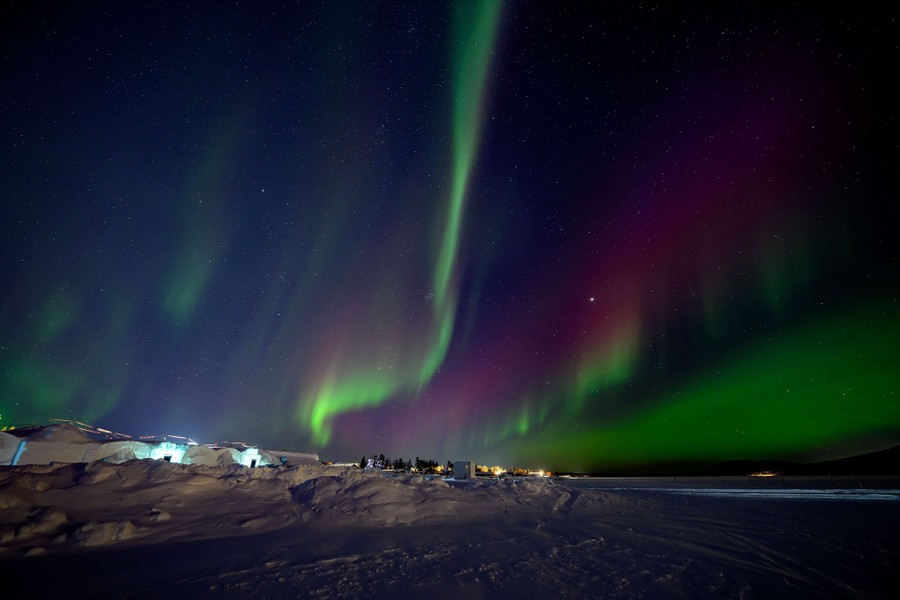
x=151, y=528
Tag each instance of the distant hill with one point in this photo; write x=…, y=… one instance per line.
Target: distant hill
x=882, y=462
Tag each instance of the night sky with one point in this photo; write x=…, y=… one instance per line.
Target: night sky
x=583, y=237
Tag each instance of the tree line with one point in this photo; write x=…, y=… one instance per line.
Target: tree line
x=420, y=466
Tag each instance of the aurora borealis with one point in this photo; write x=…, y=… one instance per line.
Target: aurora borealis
x=578, y=237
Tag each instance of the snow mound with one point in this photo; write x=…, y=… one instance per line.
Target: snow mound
x=58, y=507
x=291, y=458
x=368, y=497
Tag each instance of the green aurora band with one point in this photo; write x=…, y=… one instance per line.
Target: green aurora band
x=60, y=370
x=474, y=32
x=817, y=385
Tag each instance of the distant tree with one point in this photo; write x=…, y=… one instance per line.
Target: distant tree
x=362, y=462
x=449, y=467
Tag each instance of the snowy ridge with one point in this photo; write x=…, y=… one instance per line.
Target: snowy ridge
x=336, y=532
x=58, y=507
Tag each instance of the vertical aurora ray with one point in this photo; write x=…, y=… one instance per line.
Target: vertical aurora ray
x=346, y=387
x=473, y=39
x=203, y=232
x=608, y=365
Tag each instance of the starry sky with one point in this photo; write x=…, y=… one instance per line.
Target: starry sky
x=591, y=237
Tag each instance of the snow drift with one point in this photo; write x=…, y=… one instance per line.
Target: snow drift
x=318, y=531
x=311, y=530
x=59, y=506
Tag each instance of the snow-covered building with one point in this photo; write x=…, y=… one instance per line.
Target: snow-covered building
x=211, y=456
x=9, y=446
x=251, y=458
x=118, y=451
x=168, y=451
x=73, y=443
x=54, y=443
x=246, y=455
x=464, y=469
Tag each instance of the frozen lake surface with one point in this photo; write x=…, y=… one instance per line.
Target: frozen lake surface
x=878, y=489
x=837, y=495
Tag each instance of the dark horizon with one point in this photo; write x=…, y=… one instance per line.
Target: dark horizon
x=879, y=462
